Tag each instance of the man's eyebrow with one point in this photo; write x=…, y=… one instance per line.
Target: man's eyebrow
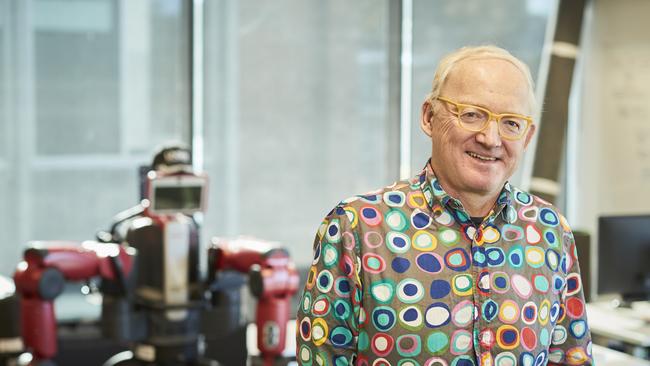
x=460, y=101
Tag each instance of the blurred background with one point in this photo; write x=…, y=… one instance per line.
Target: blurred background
x=293, y=105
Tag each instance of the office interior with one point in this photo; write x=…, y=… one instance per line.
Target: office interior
x=289, y=106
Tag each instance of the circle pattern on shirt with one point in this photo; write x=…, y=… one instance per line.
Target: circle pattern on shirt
x=382, y=344
x=461, y=342
x=437, y=343
x=409, y=345
x=382, y=290
x=420, y=220
x=410, y=291
x=512, y=232
x=384, y=318
x=507, y=337
x=448, y=237
x=330, y=255
x=548, y=217
x=394, y=198
x=371, y=216
x=319, y=331
x=372, y=239
x=396, y=220
x=439, y=289
x=509, y=312
x=528, y=338
x=411, y=318
x=521, y=286
x=516, y=256
x=430, y=262
x=489, y=310
x=324, y=281
x=529, y=313
x=424, y=241
x=373, y=263
x=341, y=336
x=321, y=306
x=462, y=284
x=463, y=313
x=400, y=265
x=495, y=256
x=341, y=309
x=437, y=315
x=505, y=359
x=457, y=260
x=397, y=242
x=500, y=282
x=535, y=256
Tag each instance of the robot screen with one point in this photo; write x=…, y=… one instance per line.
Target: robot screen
x=177, y=194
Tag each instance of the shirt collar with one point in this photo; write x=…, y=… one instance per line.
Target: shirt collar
x=434, y=193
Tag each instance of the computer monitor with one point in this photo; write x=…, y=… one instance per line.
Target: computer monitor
x=172, y=194
x=624, y=256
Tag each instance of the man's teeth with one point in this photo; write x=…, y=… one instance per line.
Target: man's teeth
x=486, y=158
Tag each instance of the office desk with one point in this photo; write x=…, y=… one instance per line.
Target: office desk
x=604, y=356
x=625, y=328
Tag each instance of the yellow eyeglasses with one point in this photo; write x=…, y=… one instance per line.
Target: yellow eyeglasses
x=473, y=118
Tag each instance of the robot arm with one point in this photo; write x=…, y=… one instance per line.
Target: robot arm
x=40, y=277
x=273, y=280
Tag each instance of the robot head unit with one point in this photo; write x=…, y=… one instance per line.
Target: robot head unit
x=172, y=186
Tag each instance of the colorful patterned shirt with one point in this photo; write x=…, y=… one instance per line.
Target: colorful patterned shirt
x=402, y=277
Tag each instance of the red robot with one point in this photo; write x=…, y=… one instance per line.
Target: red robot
x=153, y=295
x=40, y=278
x=273, y=279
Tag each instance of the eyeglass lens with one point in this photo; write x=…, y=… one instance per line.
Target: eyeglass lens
x=476, y=119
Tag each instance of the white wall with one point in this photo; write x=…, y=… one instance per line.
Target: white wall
x=613, y=156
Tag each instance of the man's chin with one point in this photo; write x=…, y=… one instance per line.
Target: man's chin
x=485, y=185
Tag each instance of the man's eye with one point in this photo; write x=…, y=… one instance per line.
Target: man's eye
x=511, y=123
x=471, y=115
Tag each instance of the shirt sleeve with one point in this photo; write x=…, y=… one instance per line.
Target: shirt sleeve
x=328, y=314
x=571, y=339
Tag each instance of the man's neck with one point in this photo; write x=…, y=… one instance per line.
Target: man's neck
x=476, y=205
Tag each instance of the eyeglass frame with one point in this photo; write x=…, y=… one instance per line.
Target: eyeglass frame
x=491, y=116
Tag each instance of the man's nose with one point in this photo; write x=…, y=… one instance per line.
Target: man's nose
x=490, y=135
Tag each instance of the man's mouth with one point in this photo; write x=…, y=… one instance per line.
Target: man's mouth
x=481, y=157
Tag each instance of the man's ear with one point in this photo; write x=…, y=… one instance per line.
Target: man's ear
x=529, y=135
x=426, y=117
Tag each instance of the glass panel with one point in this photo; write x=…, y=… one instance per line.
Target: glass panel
x=441, y=26
x=4, y=85
x=298, y=114
x=76, y=63
x=103, y=83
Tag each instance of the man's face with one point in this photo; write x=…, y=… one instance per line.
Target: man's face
x=468, y=162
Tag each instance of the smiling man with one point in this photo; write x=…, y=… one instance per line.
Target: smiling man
x=456, y=266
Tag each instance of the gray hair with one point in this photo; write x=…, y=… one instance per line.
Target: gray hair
x=479, y=52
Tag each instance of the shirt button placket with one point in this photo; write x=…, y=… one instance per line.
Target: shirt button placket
x=476, y=318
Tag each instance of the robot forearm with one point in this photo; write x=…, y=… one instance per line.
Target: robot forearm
x=40, y=279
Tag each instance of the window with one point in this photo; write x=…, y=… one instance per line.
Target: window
x=440, y=26
x=88, y=90
x=299, y=113
x=301, y=105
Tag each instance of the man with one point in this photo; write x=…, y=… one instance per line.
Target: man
x=455, y=266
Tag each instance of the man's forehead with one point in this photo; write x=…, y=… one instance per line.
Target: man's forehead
x=484, y=67
x=481, y=80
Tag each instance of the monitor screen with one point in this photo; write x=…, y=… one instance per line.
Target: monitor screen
x=624, y=256
x=177, y=194
x=177, y=198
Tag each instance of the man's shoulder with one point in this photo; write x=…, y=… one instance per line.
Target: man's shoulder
x=527, y=204
x=393, y=195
